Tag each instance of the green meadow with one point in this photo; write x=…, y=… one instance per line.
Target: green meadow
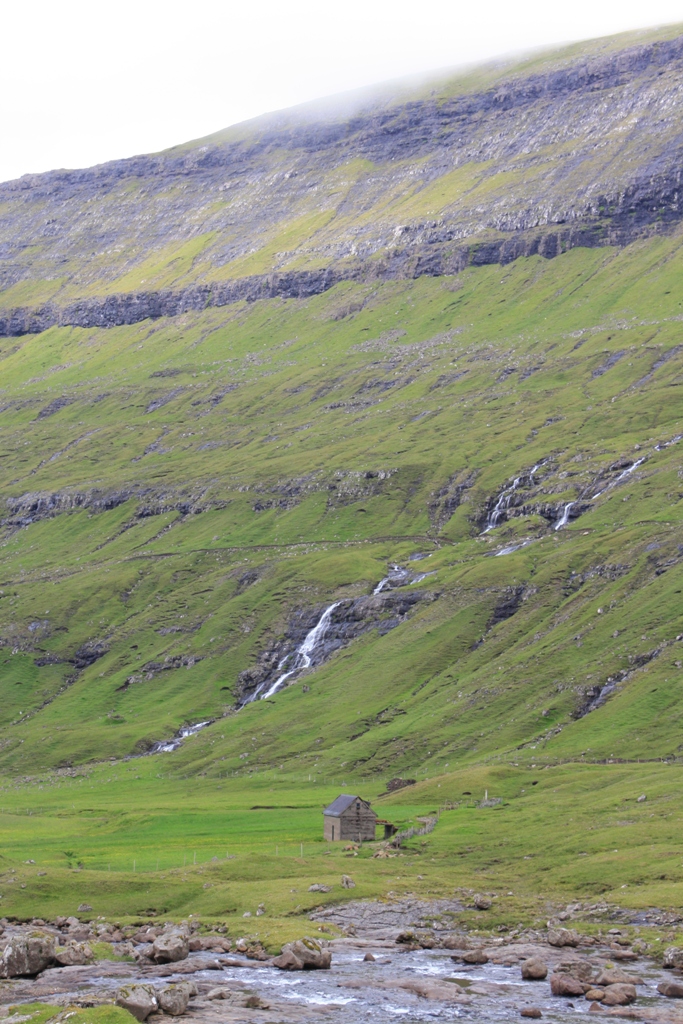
x=178, y=490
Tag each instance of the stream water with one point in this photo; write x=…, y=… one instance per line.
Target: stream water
x=354, y=990
x=505, y=498
x=301, y=658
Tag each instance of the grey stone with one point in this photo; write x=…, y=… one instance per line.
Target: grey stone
x=173, y=999
x=27, y=955
x=170, y=947
x=74, y=954
x=534, y=969
x=310, y=953
x=565, y=985
x=140, y=1000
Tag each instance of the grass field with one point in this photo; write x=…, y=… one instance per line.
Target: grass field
x=178, y=490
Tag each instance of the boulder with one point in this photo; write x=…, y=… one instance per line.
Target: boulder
x=27, y=955
x=80, y=933
x=84, y=908
x=673, y=957
x=144, y=952
x=74, y=954
x=140, y=1000
x=318, y=887
x=534, y=969
x=581, y=969
x=595, y=994
x=531, y=1011
x=616, y=977
x=310, y=953
x=482, y=902
x=170, y=947
x=347, y=882
x=563, y=937
x=619, y=995
x=369, y=958
x=670, y=989
x=565, y=985
x=287, y=961
x=173, y=999
x=474, y=956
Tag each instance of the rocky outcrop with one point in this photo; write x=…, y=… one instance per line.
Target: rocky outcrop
x=553, y=197
x=350, y=619
x=27, y=954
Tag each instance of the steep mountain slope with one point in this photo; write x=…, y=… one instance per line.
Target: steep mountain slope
x=580, y=147
x=474, y=458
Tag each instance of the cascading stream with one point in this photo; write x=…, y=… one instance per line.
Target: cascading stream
x=564, y=518
x=303, y=656
x=503, y=503
x=167, y=746
x=622, y=476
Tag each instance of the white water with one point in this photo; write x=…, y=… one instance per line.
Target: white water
x=166, y=746
x=564, y=519
x=513, y=547
x=397, y=576
x=622, y=476
x=503, y=503
x=302, y=655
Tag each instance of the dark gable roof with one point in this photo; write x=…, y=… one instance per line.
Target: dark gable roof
x=341, y=804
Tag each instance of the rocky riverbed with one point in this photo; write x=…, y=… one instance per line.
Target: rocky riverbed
x=406, y=961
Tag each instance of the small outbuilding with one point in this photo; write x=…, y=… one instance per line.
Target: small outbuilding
x=350, y=818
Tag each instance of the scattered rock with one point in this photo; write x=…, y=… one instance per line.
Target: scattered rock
x=531, y=1011
x=581, y=969
x=482, y=902
x=616, y=977
x=140, y=1000
x=673, y=957
x=317, y=887
x=534, y=970
x=641, y=799
x=369, y=958
x=619, y=995
x=563, y=937
x=74, y=954
x=84, y=908
x=173, y=999
x=287, y=961
x=474, y=956
x=595, y=994
x=170, y=947
x=347, y=882
x=310, y=953
x=27, y=955
x=670, y=989
x=565, y=985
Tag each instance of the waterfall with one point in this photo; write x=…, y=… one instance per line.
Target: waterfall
x=303, y=655
x=166, y=746
x=564, y=518
x=397, y=577
x=622, y=476
x=627, y=472
x=503, y=503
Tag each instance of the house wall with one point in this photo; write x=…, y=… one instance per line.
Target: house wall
x=357, y=824
x=332, y=829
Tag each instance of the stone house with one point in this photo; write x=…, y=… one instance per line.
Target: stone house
x=350, y=818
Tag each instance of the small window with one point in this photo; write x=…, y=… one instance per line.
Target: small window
x=358, y=807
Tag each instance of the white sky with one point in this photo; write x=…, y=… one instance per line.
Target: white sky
x=82, y=81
